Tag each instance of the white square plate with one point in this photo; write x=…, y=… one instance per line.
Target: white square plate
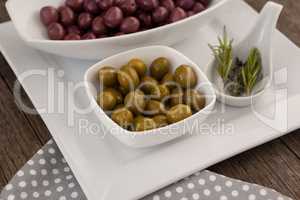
x=108, y=170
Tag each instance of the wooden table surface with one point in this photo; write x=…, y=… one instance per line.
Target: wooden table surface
x=275, y=164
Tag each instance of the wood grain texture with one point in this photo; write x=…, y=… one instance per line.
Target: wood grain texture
x=275, y=164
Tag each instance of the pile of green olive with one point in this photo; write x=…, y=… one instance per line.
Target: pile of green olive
x=139, y=100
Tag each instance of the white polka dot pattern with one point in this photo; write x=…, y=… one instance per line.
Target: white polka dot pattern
x=48, y=176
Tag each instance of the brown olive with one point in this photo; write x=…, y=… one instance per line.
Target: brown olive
x=168, y=4
x=123, y=117
x=185, y=76
x=161, y=92
x=67, y=16
x=143, y=123
x=195, y=99
x=89, y=36
x=74, y=30
x=85, y=20
x=160, y=120
x=159, y=68
x=49, y=15
x=128, y=78
x=130, y=25
x=177, y=14
x=124, y=91
x=198, y=7
x=135, y=101
x=107, y=100
x=113, y=17
x=178, y=113
x=91, y=6
x=72, y=36
x=147, y=5
x=176, y=96
x=56, y=31
x=76, y=5
x=108, y=76
x=185, y=4
x=98, y=26
x=160, y=14
x=148, y=84
x=154, y=107
x=139, y=66
x=116, y=93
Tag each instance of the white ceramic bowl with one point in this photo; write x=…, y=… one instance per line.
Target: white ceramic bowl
x=156, y=136
x=25, y=16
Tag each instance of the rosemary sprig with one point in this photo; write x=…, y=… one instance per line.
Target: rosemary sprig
x=224, y=55
x=251, y=70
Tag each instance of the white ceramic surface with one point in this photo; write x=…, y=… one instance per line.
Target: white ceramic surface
x=25, y=16
x=108, y=170
x=261, y=37
x=156, y=136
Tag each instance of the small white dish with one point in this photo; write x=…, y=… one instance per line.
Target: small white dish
x=155, y=136
x=25, y=17
x=260, y=37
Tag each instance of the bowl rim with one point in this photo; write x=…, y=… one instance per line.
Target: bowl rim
x=121, y=37
x=208, y=107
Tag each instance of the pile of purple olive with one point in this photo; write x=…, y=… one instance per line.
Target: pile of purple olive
x=91, y=19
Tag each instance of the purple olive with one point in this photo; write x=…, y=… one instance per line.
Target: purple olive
x=67, y=16
x=147, y=5
x=72, y=36
x=85, y=20
x=98, y=26
x=56, y=31
x=105, y=4
x=177, y=14
x=130, y=25
x=113, y=17
x=198, y=7
x=76, y=5
x=119, y=34
x=48, y=15
x=168, y=4
x=145, y=19
x=205, y=2
x=128, y=6
x=74, y=30
x=160, y=14
x=89, y=36
x=91, y=6
x=185, y=4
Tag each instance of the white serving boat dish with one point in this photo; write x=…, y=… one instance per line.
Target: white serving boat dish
x=155, y=136
x=25, y=16
x=108, y=170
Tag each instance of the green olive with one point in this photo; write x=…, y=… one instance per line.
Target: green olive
x=148, y=84
x=108, y=76
x=154, y=108
x=168, y=80
x=116, y=93
x=185, y=76
x=160, y=120
x=123, y=117
x=159, y=68
x=176, y=96
x=107, y=100
x=195, y=99
x=160, y=92
x=135, y=101
x=119, y=106
x=144, y=123
x=139, y=66
x=128, y=78
x=178, y=113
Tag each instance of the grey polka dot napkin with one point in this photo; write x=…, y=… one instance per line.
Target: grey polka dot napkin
x=48, y=176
